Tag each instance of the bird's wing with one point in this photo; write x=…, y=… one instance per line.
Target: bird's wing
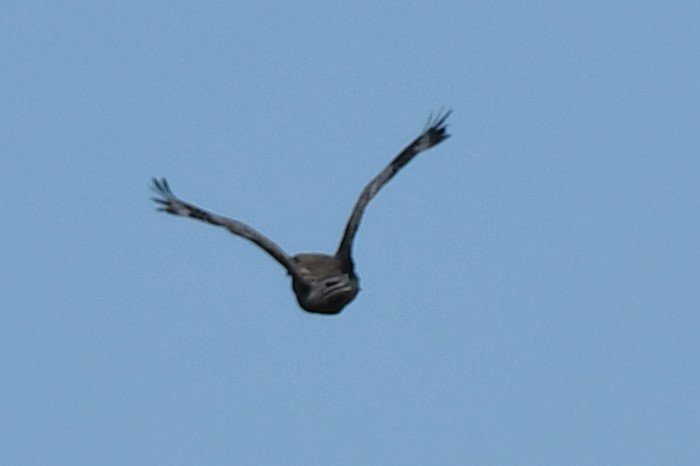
x=434, y=133
x=175, y=206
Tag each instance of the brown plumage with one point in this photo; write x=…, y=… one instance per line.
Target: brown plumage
x=322, y=283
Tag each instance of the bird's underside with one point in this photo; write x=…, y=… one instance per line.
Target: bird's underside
x=322, y=283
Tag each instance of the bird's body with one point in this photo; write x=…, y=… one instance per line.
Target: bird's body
x=325, y=287
x=322, y=283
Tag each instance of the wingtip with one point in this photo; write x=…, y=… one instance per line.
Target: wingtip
x=441, y=117
x=436, y=121
x=161, y=186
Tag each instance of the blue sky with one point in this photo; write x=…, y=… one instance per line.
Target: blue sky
x=530, y=287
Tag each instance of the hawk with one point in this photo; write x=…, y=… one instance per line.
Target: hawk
x=322, y=283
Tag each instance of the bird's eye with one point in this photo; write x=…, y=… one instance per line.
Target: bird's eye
x=330, y=283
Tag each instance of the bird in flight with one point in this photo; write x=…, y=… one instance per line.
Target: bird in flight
x=322, y=283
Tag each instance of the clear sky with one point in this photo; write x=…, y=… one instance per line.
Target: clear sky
x=530, y=288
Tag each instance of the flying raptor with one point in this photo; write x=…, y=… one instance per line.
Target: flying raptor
x=322, y=283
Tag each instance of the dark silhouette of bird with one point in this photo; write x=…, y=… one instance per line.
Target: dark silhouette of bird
x=322, y=283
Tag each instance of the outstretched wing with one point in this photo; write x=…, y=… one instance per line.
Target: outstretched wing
x=172, y=205
x=434, y=133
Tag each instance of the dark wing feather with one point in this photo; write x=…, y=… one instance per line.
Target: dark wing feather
x=175, y=206
x=434, y=134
